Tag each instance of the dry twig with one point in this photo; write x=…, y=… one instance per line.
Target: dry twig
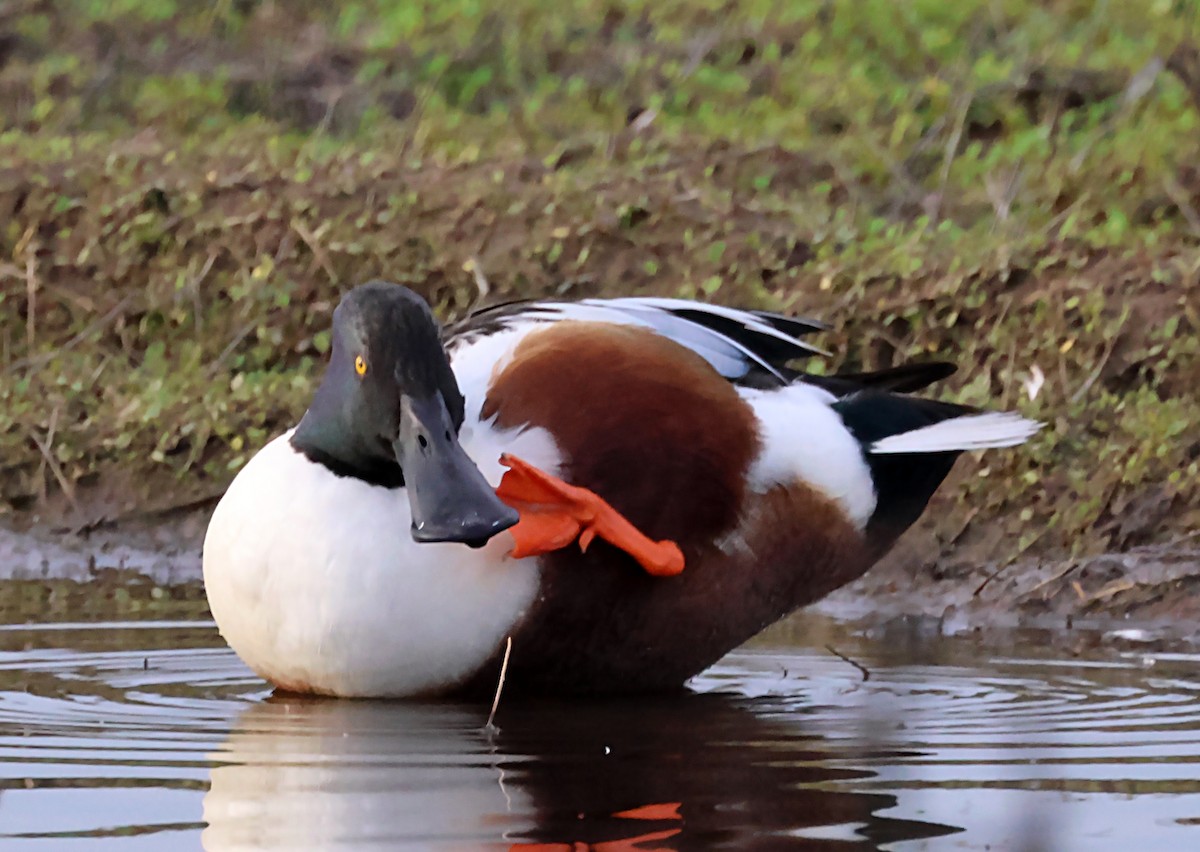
x=491, y=728
x=866, y=673
x=44, y=447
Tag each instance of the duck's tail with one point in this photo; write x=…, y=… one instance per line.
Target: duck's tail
x=910, y=445
x=967, y=431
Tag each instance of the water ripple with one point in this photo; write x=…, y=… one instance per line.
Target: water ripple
x=155, y=736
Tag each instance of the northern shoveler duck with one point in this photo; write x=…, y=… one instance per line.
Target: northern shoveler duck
x=427, y=506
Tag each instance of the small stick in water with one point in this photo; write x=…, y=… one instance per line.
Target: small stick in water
x=489, y=727
x=866, y=673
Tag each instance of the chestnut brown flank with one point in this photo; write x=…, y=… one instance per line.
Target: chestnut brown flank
x=599, y=626
x=642, y=421
x=652, y=428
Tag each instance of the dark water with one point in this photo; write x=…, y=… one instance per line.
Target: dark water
x=153, y=736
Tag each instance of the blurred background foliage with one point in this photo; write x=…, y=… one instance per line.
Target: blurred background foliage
x=185, y=189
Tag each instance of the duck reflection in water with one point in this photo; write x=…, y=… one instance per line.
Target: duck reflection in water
x=683, y=772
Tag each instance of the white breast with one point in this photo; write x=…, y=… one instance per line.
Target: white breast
x=314, y=579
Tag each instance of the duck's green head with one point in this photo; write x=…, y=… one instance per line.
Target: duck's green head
x=388, y=411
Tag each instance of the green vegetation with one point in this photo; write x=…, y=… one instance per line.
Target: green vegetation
x=186, y=188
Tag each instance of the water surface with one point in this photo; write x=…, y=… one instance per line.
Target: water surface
x=153, y=736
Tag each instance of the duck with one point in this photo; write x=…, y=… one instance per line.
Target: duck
x=598, y=496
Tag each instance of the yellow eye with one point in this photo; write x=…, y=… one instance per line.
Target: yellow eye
x=360, y=365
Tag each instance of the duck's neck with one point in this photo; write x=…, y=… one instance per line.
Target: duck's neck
x=324, y=439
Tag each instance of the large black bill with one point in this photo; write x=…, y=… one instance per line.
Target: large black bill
x=450, y=499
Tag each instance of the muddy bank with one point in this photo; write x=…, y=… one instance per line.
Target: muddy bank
x=1153, y=585
x=1149, y=584
x=168, y=555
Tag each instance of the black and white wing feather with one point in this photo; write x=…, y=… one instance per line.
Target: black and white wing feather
x=740, y=345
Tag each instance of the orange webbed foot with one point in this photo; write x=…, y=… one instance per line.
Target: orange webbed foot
x=555, y=513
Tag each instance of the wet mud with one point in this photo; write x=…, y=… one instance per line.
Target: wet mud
x=1156, y=585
